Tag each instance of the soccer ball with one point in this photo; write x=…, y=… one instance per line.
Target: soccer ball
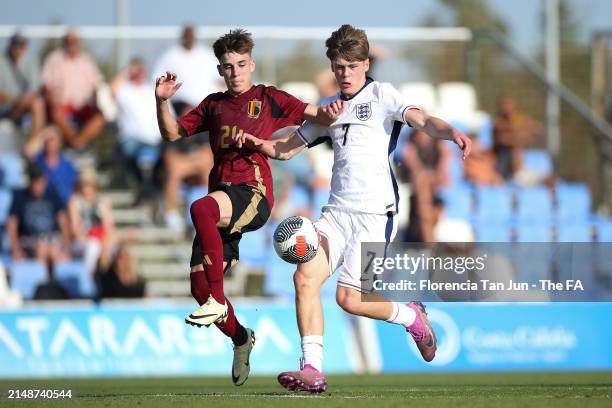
x=296, y=240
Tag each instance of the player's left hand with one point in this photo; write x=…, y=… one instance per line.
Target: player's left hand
x=464, y=143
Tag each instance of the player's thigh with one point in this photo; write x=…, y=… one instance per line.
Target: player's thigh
x=225, y=207
x=250, y=209
x=334, y=227
x=354, y=272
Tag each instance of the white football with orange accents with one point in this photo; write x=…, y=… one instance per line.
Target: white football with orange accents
x=296, y=240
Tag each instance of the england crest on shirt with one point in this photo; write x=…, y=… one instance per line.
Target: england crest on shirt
x=363, y=111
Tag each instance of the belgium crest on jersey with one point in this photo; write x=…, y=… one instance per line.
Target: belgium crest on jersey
x=363, y=111
x=254, y=108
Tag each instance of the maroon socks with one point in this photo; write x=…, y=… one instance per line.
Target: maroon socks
x=205, y=215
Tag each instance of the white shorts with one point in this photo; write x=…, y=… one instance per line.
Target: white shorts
x=345, y=231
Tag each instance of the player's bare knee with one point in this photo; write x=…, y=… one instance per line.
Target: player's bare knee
x=302, y=281
x=348, y=299
x=306, y=280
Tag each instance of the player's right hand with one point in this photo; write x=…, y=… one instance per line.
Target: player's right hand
x=166, y=86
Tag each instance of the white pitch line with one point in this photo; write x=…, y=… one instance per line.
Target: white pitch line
x=269, y=396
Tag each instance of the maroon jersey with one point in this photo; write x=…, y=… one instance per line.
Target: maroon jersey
x=260, y=111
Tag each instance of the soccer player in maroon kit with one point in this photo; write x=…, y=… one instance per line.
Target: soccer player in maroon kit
x=240, y=188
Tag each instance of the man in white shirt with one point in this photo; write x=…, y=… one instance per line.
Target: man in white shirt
x=363, y=201
x=189, y=158
x=195, y=65
x=138, y=134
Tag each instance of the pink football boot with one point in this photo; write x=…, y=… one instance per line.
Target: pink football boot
x=421, y=332
x=307, y=379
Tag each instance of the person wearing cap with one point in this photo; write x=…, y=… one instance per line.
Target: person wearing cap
x=19, y=85
x=37, y=226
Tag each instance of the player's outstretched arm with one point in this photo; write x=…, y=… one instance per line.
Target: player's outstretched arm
x=283, y=148
x=324, y=115
x=165, y=87
x=438, y=128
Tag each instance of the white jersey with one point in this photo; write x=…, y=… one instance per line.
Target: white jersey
x=363, y=138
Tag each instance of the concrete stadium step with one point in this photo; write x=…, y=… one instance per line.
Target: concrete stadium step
x=151, y=234
x=164, y=270
x=177, y=252
x=120, y=198
x=132, y=216
x=168, y=288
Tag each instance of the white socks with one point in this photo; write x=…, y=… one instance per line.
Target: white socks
x=312, y=351
x=402, y=314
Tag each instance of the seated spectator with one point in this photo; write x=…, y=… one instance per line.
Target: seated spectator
x=37, y=226
x=70, y=78
x=117, y=276
x=91, y=220
x=19, y=84
x=480, y=168
x=138, y=138
x=187, y=160
x=513, y=130
x=426, y=161
x=45, y=151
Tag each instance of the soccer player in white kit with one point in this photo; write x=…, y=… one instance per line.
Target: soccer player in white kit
x=363, y=200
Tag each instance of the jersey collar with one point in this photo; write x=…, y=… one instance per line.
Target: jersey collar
x=242, y=95
x=348, y=98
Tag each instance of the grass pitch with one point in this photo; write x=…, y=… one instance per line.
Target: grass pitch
x=555, y=390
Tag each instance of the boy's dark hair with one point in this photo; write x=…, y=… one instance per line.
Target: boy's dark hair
x=349, y=43
x=238, y=41
x=35, y=172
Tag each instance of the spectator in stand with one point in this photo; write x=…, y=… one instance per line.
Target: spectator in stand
x=37, y=226
x=481, y=167
x=91, y=220
x=189, y=159
x=513, y=130
x=138, y=138
x=45, y=151
x=19, y=85
x=71, y=78
x=117, y=276
x=427, y=161
x=195, y=65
